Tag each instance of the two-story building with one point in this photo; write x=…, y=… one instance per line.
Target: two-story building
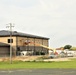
x=18, y=43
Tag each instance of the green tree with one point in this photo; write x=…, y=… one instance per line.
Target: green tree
x=67, y=46
x=73, y=48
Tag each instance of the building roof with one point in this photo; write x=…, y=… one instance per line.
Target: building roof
x=4, y=33
x=4, y=44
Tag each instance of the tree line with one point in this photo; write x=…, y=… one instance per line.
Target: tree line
x=69, y=47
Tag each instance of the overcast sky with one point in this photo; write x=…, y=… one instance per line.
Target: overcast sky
x=55, y=19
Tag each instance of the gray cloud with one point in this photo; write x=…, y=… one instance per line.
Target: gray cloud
x=55, y=19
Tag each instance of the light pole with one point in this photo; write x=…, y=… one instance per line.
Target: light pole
x=10, y=25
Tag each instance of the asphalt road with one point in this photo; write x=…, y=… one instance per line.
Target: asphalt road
x=39, y=72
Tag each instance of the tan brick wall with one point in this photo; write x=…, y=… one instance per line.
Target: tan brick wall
x=45, y=42
x=39, y=41
x=21, y=40
x=5, y=40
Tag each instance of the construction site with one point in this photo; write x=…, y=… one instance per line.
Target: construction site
x=22, y=42
x=26, y=45
x=52, y=52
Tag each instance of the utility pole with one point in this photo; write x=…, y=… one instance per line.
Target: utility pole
x=10, y=25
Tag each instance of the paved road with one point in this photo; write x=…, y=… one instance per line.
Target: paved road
x=39, y=72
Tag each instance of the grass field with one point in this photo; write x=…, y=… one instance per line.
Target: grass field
x=24, y=65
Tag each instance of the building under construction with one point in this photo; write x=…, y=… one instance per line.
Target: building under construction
x=22, y=42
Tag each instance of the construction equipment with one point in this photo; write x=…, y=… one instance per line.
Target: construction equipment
x=52, y=51
x=36, y=44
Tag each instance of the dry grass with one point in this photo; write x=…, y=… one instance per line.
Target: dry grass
x=38, y=58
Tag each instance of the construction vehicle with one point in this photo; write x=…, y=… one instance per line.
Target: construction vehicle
x=53, y=52
x=36, y=44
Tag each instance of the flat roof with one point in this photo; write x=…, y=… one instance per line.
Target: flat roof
x=4, y=33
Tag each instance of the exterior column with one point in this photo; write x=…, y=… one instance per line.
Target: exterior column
x=28, y=44
x=34, y=47
x=42, y=44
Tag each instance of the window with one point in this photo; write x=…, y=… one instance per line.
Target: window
x=10, y=40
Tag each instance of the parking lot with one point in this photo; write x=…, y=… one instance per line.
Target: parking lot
x=39, y=72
